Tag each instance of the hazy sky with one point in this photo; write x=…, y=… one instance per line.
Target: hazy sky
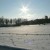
x=36, y=8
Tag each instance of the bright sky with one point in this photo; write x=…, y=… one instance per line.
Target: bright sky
x=30, y=9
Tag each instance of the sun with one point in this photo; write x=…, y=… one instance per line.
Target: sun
x=24, y=9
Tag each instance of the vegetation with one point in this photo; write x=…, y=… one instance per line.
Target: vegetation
x=17, y=22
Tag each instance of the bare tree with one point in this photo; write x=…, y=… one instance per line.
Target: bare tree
x=11, y=21
x=6, y=21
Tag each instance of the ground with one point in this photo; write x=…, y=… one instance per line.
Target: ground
x=36, y=42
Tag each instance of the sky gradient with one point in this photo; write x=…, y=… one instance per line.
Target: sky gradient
x=37, y=8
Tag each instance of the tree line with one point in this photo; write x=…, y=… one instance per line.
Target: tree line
x=4, y=22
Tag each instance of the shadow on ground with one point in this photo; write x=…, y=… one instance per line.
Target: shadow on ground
x=10, y=48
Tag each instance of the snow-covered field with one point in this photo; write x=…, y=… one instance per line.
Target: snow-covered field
x=30, y=37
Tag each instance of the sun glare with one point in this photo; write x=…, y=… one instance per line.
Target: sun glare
x=24, y=9
x=25, y=12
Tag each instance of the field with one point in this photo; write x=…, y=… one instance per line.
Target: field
x=27, y=39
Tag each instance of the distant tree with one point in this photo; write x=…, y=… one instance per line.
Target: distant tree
x=2, y=20
x=46, y=17
x=11, y=21
x=18, y=21
x=6, y=21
